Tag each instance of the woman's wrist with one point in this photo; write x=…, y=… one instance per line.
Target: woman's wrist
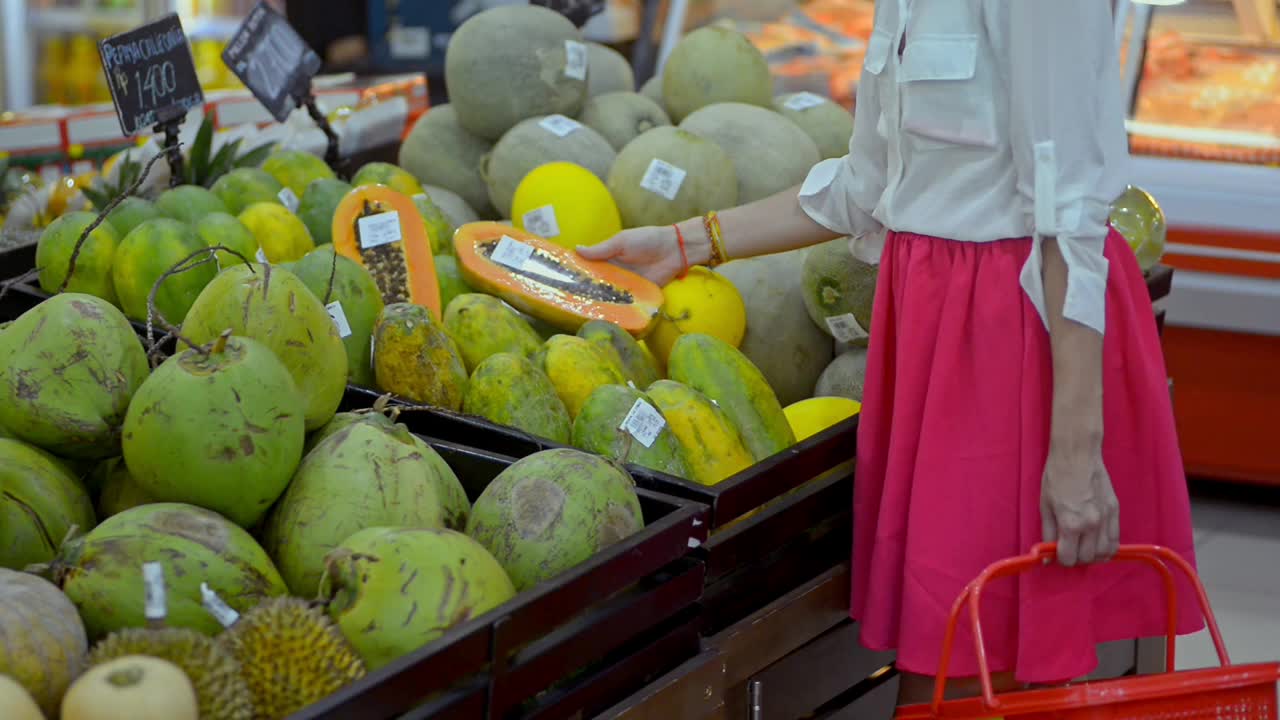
x=697, y=243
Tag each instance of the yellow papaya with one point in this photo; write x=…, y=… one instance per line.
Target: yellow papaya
x=722, y=373
x=482, y=326
x=712, y=447
x=577, y=368
x=415, y=358
x=620, y=346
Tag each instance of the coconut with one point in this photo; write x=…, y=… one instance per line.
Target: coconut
x=609, y=71
x=715, y=65
x=439, y=151
x=838, y=285
x=102, y=572
x=553, y=510
x=371, y=473
x=533, y=143
x=623, y=116
x=274, y=307
x=515, y=62
x=829, y=125
x=40, y=501
x=781, y=340
x=844, y=377
x=71, y=365
x=393, y=590
x=456, y=209
x=221, y=429
x=770, y=153
x=44, y=641
x=668, y=175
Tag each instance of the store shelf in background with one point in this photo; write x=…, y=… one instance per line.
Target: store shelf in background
x=74, y=20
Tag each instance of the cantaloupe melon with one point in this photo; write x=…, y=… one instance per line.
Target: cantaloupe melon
x=532, y=144
x=609, y=71
x=623, y=116
x=770, y=153
x=780, y=339
x=829, y=125
x=515, y=62
x=838, y=285
x=714, y=65
x=652, y=89
x=844, y=377
x=439, y=151
x=458, y=211
x=668, y=175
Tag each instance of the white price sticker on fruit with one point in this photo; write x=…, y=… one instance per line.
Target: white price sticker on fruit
x=261, y=256
x=339, y=317
x=846, y=328
x=575, y=60
x=380, y=229
x=222, y=612
x=644, y=423
x=542, y=222
x=289, y=199
x=559, y=125
x=512, y=253
x=664, y=179
x=803, y=101
x=155, y=606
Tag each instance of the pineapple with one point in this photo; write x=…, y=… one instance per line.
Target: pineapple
x=203, y=170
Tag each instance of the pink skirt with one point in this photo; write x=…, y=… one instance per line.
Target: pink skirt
x=951, y=449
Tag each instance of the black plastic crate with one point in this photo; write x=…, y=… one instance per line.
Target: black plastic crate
x=633, y=605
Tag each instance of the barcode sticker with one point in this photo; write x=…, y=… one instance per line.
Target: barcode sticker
x=644, y=423
x=289, y=199
x=664, y=179
x=512, y=253
x=261, y=256
x=559, y=125
x=411, y=42
x=542, y=222
x=339, y=318
x=575, y=60
x=222, y=612
x=380, y=229
x=155, y=607
x=803, y=101
x=846, y=328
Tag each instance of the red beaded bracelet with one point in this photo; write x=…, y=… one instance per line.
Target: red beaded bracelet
x=684, y=253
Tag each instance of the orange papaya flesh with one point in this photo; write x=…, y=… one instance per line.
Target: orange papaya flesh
x=554, y=284
x=404, y=268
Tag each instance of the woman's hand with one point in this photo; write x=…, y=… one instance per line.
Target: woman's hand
x=653, y=252
x=1078, y=507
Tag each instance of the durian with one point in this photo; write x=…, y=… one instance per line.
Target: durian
x=291, y=655
x=221, y=692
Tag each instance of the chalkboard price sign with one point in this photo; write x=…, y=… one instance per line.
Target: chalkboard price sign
x=151, y=75
x=272, y=60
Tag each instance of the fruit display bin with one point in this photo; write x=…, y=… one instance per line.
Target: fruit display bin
x=576, y=643
x=773, y=526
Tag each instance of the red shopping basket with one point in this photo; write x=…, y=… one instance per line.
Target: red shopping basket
x=1230, y=692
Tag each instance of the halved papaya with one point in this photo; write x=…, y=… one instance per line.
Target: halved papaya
x=396, y=251
x=552, y=283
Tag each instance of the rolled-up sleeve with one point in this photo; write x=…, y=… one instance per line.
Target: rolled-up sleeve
x=841, y=194
x=1065, y=144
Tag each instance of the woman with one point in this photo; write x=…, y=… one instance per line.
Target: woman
x=1015, y=386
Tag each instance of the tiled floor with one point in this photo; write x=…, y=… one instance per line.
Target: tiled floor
x=1238, y=553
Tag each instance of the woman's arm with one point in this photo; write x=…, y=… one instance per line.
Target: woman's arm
x=1076, y=425
x=774, y=224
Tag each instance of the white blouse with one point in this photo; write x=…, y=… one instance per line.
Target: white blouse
x=981, y=120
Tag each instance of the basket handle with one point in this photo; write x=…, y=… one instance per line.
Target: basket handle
x=1041, y=554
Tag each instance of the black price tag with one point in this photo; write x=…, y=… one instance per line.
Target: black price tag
x=272, y=60
x=151, y=74
x=578, y=11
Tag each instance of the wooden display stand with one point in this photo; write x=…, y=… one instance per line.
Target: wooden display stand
x=799, y=657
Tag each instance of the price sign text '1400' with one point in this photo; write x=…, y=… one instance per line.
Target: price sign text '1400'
x=150, y=74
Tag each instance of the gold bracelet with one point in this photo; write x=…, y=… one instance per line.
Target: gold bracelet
x=718, y=254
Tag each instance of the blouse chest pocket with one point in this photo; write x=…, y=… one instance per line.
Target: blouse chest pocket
x=946, y=102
